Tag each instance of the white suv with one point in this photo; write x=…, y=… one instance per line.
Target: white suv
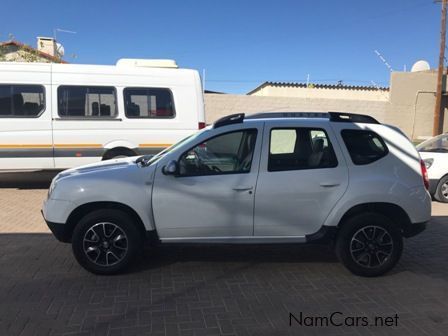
x=265, y=178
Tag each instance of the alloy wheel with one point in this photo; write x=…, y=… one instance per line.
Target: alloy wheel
x=105, y=244
x=371, y=246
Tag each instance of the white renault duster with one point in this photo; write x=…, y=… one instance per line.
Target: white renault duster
x=265, y=178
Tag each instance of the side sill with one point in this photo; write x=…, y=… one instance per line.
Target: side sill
x=325, y=235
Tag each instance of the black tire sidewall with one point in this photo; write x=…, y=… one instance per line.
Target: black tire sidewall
x=117, y=217
x=438, y=194
x=351, y=226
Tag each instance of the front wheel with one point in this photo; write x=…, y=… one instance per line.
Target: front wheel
x=369, y=244
x=441, y=193
x=106, y=241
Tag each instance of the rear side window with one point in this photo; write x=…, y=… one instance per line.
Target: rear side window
x=149, y=103
x=21, y=101
x=364, y=147
x=300, y=148
x=87, y=101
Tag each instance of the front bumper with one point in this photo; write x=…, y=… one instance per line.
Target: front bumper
x=59, y=230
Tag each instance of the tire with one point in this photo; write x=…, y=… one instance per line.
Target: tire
x=106, y=241
x=441, y=193
x=369, y=257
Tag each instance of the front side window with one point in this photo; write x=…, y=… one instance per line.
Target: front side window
x=21, y=101
x=230, y=153
x=300, y=148
x=147, y=103
x=364, y=147
x=87, y=101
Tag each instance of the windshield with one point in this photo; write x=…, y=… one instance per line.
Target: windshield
x=151, y=159
x=436, y=144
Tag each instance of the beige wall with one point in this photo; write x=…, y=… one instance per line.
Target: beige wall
x=409, y=106
x=327, y=93
x=219, y=105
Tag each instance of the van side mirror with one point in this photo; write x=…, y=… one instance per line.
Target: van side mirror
x=171, y=168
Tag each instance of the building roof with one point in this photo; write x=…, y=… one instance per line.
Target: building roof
x=320, y=86
x=31, y=49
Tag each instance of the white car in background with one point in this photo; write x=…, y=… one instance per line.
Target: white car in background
x=434, y=153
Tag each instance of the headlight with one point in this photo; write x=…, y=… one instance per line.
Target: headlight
x=52, y=186
x=428, y=163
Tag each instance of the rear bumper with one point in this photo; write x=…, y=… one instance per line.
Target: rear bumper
x=59, y=230
x=414, y=229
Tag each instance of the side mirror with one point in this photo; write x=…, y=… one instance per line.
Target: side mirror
x=170, y=168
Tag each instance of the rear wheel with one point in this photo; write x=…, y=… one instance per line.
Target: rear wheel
x=106, y=241
x=369, y=244
x=441, y=193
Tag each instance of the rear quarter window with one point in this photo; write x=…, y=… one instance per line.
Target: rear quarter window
x=364, y=147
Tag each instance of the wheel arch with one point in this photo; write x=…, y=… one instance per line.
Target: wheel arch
x=84, y=209
x=389, y=210
x=116, y=151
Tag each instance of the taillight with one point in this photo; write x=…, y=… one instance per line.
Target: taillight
x=201, y=125
x=424, y=174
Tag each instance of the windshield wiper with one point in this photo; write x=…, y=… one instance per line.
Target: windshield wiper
x=144, y=160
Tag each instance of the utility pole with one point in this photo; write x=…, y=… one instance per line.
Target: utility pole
x=438, y=113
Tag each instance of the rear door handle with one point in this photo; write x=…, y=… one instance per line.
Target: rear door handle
x=329, y=184
x=242, y=188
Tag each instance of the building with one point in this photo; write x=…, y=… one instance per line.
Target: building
x=47, y=51
x=408, y=103
x=326, y=91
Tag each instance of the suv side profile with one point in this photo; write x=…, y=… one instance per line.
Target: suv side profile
x=330, y=177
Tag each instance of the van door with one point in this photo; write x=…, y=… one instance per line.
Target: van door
x=25, y=119
x=213, y=194
x=302, y=176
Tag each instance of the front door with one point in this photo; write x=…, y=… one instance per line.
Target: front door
x=212, y=196
x=302, y=176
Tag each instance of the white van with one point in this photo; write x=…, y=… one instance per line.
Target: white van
x=56, y=116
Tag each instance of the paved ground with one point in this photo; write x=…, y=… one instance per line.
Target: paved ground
x=207, y=290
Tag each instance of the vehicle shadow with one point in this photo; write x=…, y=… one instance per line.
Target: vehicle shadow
x=27, y=180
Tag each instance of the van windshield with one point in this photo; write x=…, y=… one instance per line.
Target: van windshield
x=146, y=160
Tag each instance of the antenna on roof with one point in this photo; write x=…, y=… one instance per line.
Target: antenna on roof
x=62, y=31
x=383, y=60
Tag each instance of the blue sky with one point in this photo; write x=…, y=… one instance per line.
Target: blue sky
x=241, y=43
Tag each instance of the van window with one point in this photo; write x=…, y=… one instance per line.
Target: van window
x=364, y=147
x=21, y=101
x=87, y=101
x=300, y=148
x=148, y=103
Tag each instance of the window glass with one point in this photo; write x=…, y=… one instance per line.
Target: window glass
x=224, y=154
x=148, y=103
x=437, y=144
x=87, y=101
x=364, y=147
x=300, y=148
x=25, y=101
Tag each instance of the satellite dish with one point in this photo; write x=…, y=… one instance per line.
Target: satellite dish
x=420, y=66
x=60, y=49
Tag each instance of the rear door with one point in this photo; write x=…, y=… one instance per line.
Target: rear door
x=302, y=175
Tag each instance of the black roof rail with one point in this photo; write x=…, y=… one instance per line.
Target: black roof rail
x=269, y=115
x=228, y=120
x=352, y=117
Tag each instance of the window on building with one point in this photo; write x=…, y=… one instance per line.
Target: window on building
x=364, y=147
x=300, y=148
x=230, y=153
x=26, y=101
x=149, y=103
x=87, y=101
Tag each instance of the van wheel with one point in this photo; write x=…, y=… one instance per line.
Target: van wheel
x=118, y=153
x=441, y=193
x=106, y=241
x=369, y=244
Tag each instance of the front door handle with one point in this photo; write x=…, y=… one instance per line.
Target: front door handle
x=242, y=188
x=329, y=184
